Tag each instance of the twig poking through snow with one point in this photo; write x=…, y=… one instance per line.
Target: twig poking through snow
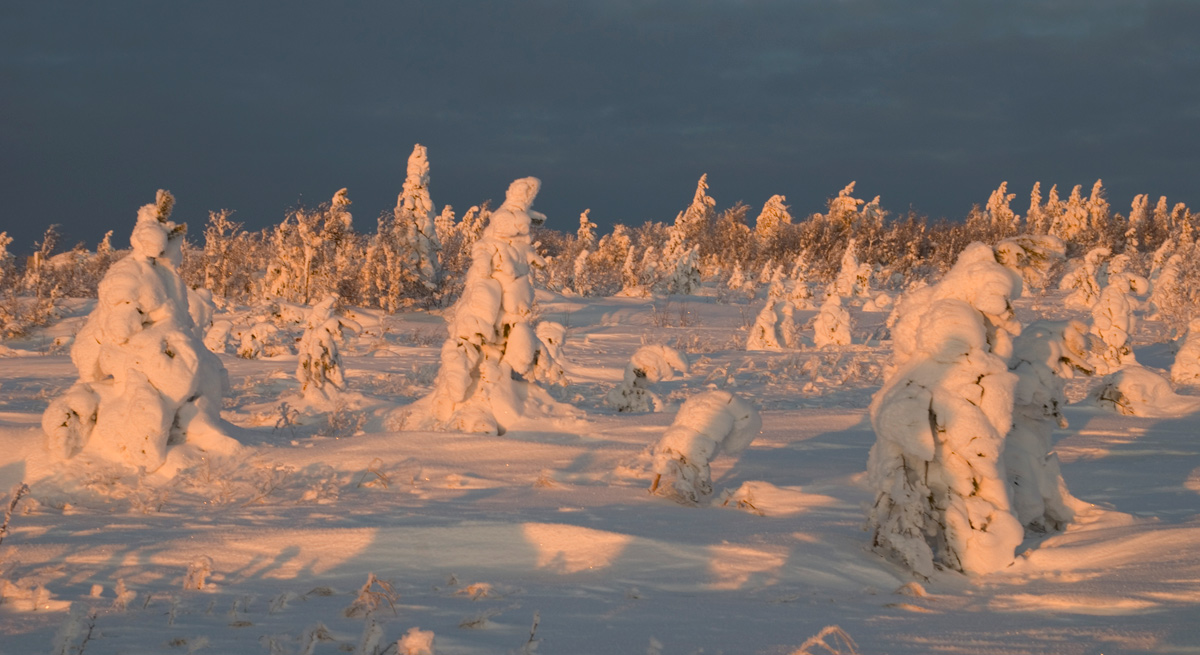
x=842, y=643
x=17, y=492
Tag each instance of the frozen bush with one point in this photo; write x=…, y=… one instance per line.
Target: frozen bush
x=1034, y=256
x=146, y=381
x=649, y=365
x=1113, y=322
x=708, y=424
x=1082, y=279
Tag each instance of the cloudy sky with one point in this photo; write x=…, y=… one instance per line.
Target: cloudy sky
x=618, y=106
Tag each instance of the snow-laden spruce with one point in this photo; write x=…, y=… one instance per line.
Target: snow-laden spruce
x=1113, y=321
x=832, y=325
x=770, y=327
x=1083, y=279
x=319, y=361
x=708, y=424
x=649, y=365
x=493, y=359
x=1186, y=368
x=1034, y=256
x=1045, y=354
x=940, y=422
x=147, y=384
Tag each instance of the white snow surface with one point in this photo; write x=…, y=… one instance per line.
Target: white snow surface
x=474, y=533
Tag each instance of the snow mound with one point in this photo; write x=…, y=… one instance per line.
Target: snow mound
x=1138, y=391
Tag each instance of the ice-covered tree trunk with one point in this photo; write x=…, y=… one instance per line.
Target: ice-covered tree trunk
x=493, y=358
x=940, y=422
x=147, y=383
x=649, y=365
x=708, y=424
x=1044, y=355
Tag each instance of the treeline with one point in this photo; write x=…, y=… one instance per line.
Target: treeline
x=417, y=257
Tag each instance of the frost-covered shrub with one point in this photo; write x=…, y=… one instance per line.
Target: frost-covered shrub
x=319, y=361
x=146, y=381
x=1044, y=355
x=493, y=359
x=708, y=424
x=1186, y=369
x=1138, y=391
x=832, y=325
x=649, y=365
x=940, y=422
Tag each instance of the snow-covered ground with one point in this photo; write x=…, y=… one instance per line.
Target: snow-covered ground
x=483, y=540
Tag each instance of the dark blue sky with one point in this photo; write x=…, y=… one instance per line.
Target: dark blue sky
x=617, y=105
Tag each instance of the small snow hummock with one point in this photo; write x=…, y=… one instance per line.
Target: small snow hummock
x=708, y=424
x=147, y=384
x=319, y=365
x=649, y=365
x=493, y=358
x=1046, y=353
x=940, y=422
x=1138, y=391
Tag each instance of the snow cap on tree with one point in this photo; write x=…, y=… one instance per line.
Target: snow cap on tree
x=707, y=424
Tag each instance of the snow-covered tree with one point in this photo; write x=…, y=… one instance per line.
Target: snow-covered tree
x=1044, y=355
x=319, y=361
x=798, y=292
x=1035, y=217
x=1073, y=220
x=1083, y=279
x=708, y=424
x=1034, y=256
x=312, y=253
x=147, y=385
x=649, y=365
x=416, y=221
x=1137, y=391
x=940, y=422
x=765, y=333
x=772, y=219
x=853, y=279
x=444, y=224
x=1139, y=224
x=1186, y=368
x=844, y=208
x=1113, y=321
x=832, y=325
x=493, y=358
x=1000, y=215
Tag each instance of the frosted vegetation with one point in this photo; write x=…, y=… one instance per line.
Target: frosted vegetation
x=562, y=405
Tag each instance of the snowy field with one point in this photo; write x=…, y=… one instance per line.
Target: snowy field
x=538, y=540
